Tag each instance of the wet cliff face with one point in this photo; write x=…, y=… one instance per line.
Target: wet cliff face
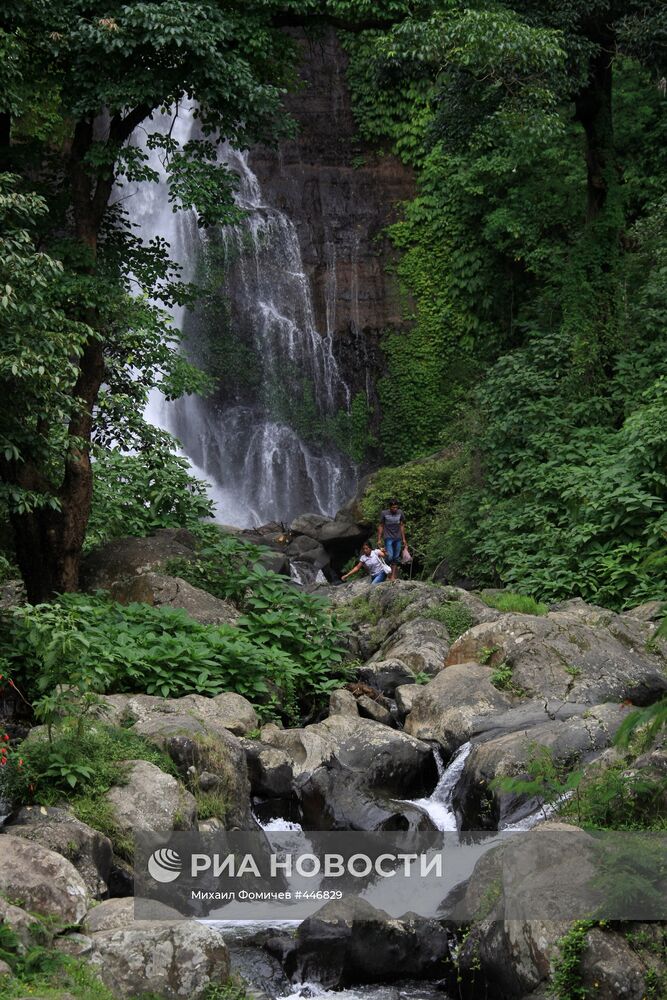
x=299, y=293
x=340, y=194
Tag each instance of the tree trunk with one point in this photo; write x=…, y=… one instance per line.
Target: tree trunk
x=44, y=554
x=594, y=111
x=48, y=542
x=5, y=132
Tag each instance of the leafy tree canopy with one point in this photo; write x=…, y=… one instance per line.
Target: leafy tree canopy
x=82, y=84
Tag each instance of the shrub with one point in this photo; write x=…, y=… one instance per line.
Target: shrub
x=567, y=983
x=40, y=971
x=75, y=763
x=78, y=765
x=616, y=798
x=136, y=495
x=115, y=648
x=296, y=628
x=647, y=721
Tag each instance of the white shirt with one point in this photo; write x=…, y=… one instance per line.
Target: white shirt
x=374, y=563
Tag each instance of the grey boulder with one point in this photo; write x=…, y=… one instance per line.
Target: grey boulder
x=123, y=557
x=585, y=655
x=391, y=761
x=339, y=532
x=447, y=707
x=571, y=742
x=25, y=926
x=342, y=702
x=151, y=800
x=162, y=591
x=58, y=830
x=196, y=733
x=169, y=958
x=41, y=881
x=421, y=644
x=386, y=675
x=612, y=970
x=350, y=941
x=348, y=774
x=504, y=954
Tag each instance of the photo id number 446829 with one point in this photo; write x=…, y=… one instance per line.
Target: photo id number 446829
x=319, y=894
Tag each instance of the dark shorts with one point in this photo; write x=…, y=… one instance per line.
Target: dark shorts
x=393, y=547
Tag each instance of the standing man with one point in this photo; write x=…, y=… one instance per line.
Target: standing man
x=391, y=534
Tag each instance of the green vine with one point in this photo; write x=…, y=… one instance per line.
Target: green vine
x=566, y=982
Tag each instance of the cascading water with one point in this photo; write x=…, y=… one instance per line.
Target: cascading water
x=439, y=804
x=266, y=439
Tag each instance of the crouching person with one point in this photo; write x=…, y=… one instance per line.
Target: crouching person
x=373, y=560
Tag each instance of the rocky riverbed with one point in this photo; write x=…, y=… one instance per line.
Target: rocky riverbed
x=448, y=694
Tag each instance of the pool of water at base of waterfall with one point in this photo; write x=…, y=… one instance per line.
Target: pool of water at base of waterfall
x=236, y=932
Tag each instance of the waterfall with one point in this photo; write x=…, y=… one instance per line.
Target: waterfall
x=439, y=805
x=266, y=439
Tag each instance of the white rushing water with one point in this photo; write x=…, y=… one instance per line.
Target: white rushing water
x=439, y=805
x=276, y=365
x=389, y=991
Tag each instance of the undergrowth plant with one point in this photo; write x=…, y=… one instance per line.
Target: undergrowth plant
x=77, y=766
x=503, y=679
x=519, y=603
x=566, y=982
x=617, y=797
x=283, y=653
x=454, y=615
x=545, y=777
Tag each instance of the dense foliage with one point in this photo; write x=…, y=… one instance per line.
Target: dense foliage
x=138, y=494
x=534, y=254
x=282, y=652
x=423, y=488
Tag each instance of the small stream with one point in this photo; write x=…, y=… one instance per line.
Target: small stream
x=244, y=938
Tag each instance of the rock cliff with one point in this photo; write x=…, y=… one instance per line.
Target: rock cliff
x=340, y=193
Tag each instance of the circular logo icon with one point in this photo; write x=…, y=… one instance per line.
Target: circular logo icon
x=165, y=865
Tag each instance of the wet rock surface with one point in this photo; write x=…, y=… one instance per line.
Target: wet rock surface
x=353, y=942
